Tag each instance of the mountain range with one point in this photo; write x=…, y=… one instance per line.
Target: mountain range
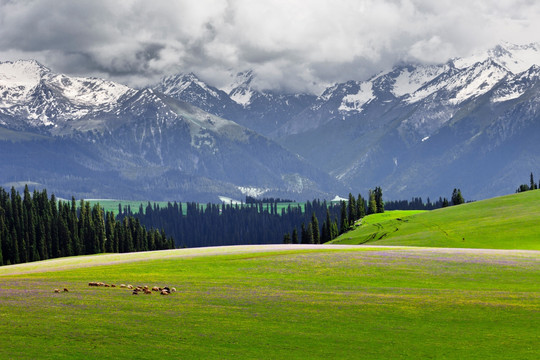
x=415, y=130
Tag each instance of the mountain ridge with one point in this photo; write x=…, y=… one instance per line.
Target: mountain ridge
x=409, y=129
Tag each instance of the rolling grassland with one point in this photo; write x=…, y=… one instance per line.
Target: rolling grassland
x=276, y=302
x=507, y=222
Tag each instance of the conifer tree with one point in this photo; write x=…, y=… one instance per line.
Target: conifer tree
x=379, y=200
x=309, y=234
x=315, y=229
x=457, y=198
x=294, y=239
x=344, y=221
x=372, y=204
x=351, y=210
x=360, y=207
x=287, y=238
x=303, y=235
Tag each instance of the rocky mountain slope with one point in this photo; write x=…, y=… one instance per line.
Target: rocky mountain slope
x=94, y=138
x=417, y=129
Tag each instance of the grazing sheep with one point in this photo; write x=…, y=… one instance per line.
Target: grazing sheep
x=112, y=285
x=56, y=290
x=66, y=290
x=155, y=288
x=173, y=289
x=135, y=292
x=147, y=292
x=92, y=283
x=164, y=292
x=130, y=286
x=123, y=285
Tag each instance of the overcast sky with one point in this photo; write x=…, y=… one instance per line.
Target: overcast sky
x=290, y=44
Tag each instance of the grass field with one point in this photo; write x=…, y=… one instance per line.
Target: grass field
x=508, y=222
x=277, y=302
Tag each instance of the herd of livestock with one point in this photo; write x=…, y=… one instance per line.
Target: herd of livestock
x=135, y=289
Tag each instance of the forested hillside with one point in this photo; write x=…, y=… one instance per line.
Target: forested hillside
x=35, y=227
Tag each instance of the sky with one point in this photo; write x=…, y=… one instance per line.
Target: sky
x=291, y=45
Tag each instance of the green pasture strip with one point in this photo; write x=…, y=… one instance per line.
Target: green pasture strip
x=508, y=222
x=378, y=304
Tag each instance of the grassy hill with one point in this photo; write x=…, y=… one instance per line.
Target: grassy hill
x=507, y=222
x=276, y=302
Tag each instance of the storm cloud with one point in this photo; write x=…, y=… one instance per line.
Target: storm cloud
x=295, y=45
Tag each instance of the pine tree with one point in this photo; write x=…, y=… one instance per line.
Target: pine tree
x=372, y=204
x=315, y=229
x=294, y=239
x=287, y=238
x=303, y=235
x=334, y=232
x=309, y=234
x=344, y=221
x=457, y=198
x=351, y=210
x=379, y=200
x=360, y=207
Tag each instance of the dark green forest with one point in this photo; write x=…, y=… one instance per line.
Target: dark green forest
x=35, y=227
x=231, y=224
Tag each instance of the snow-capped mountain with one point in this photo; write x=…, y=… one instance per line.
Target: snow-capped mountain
x=191, y=89
x=95, y=138
x=375, y=131
x=240, y=89
x=261, y=111
x=34, y=96
x=415, y=130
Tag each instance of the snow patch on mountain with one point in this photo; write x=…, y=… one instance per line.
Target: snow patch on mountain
x=410, y=81
x=252, y=191
x=355, y=102
x=516, y=87
x=175, y=85
x=242, y=96
x=88, y=91
x=514, y=58
x=239, y=89
x=18, y=79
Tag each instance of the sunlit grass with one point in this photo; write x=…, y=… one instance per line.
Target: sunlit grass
x=508, y=222
x=368, y=303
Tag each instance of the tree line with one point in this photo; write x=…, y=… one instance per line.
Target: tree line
x=530, y=186
x=35, y=227
x=352, y=210
x=230, y=224
x=416, y=203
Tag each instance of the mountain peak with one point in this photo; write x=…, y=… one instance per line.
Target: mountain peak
x=514, y=58
x=242, y=79
x=25, y=73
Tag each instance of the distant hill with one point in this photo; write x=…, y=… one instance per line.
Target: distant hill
x=507, y=222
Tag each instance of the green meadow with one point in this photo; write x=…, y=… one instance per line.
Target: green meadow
x=507, y=222
x=276, y=302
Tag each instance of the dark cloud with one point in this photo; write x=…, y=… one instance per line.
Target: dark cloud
x=295, y=44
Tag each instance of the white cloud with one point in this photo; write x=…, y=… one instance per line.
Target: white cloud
x=292, y=44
